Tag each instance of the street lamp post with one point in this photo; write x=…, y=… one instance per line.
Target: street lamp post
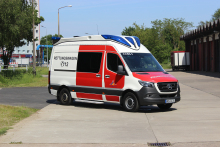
x=46, y=44
x=34, y=57
x=59, y=20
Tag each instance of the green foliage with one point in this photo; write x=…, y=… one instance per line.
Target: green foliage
x=166, y=65
x=216, y=15
x=9, y=115
x=16, y=17
x=201, y=23
x=162, y=37
x=23, y=78
x=47, y=40
x=128, y=31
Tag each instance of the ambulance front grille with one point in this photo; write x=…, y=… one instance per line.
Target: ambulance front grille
x=167, y=86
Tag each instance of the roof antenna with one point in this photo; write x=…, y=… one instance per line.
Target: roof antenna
x=97, y=29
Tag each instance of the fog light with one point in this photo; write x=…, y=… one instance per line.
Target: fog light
x=176, y=95
x=148, y=95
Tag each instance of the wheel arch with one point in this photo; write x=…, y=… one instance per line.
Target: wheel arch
x=58, y=91
x=126, y=91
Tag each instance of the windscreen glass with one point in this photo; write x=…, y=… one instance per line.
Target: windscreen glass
x=142, y=62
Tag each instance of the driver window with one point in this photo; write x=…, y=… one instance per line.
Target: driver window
x=113, y=61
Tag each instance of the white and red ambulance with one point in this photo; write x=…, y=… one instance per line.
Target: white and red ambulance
x=108, y=68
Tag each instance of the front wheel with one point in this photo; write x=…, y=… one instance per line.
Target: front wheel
x=65, y=97
x=130, y=102
x=164, y=106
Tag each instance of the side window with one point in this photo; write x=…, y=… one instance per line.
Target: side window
x=89, y=62
x=113, y=61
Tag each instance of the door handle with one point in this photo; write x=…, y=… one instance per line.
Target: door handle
x=98, y=75
x=107, y=76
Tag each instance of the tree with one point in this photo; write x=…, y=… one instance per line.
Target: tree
x=47, y=40
x=216, y=15
x=128, y=31
x=202, y=23
x=16, y=17
x=162, y=37
x=171, y=29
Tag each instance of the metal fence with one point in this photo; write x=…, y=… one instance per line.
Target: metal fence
x=13, y=68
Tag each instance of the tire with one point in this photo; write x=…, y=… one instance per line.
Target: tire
x=164, y=106
x=65, y=97
x=130, y=102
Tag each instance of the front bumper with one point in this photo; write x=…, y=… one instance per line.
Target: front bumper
x=150, y=96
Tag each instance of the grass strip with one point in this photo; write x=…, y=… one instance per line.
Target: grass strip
x=23, y=78
x=166, y=65
x=9, y=115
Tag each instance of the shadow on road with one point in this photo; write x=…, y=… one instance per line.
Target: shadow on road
x=51, y=101
x=113, y=106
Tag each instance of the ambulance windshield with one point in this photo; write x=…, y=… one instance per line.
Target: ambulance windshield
x=142, y=62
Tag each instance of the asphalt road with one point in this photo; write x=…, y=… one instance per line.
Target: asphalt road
x=34, y=97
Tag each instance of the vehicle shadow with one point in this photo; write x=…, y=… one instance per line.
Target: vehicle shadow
x=51, y=101
x=113, y=106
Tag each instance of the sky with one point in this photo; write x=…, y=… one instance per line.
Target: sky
x=112, y=16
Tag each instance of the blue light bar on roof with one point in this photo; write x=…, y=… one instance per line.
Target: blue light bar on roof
x=130, y=40
x=116, y=38
x=137, y=40
x=55, y=38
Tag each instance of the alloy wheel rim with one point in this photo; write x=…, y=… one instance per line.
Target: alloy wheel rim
x=129, y=102
x=64, y=97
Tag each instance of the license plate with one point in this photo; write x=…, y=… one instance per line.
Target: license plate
x=170, y=101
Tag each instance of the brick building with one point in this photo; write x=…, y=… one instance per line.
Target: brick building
x=203, y=44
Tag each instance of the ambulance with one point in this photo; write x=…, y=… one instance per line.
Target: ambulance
x=109, y=68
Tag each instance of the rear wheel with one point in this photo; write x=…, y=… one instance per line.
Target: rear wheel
x=130, y=102
x=164, y=106
x=65, y=97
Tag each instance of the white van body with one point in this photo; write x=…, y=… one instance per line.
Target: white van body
x=107, y=68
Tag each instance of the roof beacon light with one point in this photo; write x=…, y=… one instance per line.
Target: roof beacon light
x=55, y=39
x=116, y=38
x=130, y=40
x=137, y=40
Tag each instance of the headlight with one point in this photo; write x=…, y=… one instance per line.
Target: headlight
x=146, y=84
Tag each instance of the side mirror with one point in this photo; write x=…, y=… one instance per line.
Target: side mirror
x=120, y=70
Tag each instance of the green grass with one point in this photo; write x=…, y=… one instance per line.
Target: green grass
x=10, y=115
x=23, y=78
x=166, y=65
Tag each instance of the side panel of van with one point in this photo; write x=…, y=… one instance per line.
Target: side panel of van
x=89, y=71
x=64, y=61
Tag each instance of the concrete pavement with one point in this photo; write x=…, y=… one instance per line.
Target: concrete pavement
x=194, y=121
x=201, y=80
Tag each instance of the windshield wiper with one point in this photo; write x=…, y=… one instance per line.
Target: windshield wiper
x=140, y=71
